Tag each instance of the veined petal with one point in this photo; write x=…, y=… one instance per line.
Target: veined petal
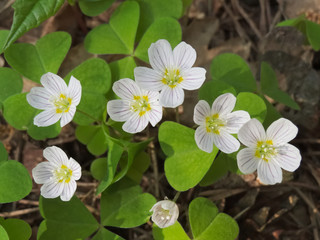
x=153, y=96
x=184, y=55
x=76, y=169
x=224, y=104
x=160, y=55
x=193, y=78
x=201, y=111
x=135, y=123
x=148, y=78
x=74, y=91
x=251, y=132
x=235, y=120
x=155, y=114
x=126, y=89
x=204, y=139
x=42, y=172
x=246, y=160
x=56, y=156
x=46, y=118
x=39, y=98
x=171, y=97
x=51, y=189
x=67, y=116
x=281, y=131
x=288, y=157
x=226, y=142
x=68, y=190
x=269, y=172
x=119, y=110
x=54, y=84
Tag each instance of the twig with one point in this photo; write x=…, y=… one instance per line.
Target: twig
x=29, y=202
x=263, y=22
x=308, y=202
x=87, y=184
x=153, y=157
x=313, y=222
x=19, y=212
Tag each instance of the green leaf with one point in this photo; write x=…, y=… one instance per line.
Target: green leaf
x=95, y=77
x=232, y=69
x=269, y=86
x=3, y=37
x=253, y=104
x=3, y=234
x=150, y=10
x=3, y=153
x=162, y=28
x=99, y=168
x=186, y=164
x=272, y=113
x=124, y=205
x=32, y=61
x=29, y=14
x=206, y=223
x=313, y=34
x=72, y=219
x=16, y=229
x=291, y=22
x=94, y=7
x=19, y=114
x=139, y=165
x=174, y=232
x=94, y=137
x=10, y=83
x=118, y=36
x=15, y=181
x=104, y=234
x=210, y=90
x=220, y=167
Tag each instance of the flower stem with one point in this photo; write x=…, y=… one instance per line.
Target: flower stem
x=177, y=115
x=176, y=197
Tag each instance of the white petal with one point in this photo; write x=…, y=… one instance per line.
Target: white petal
x=171, y=97
x=67, y=116
x=288, y=157
x=39, y=98
x=224, y=104
x=54, y=84
x=201, y=111
x=251, y=132
x=160, y=55
x=74, y=91
x=155, y=114
x=153, y=96
x=126, y=89
x=226, y=142
x=193, y=78
x=46, y=118
x=247, y=162
x=235, y=120
x=75, y=168
x=135, y=123
x=269, y=172
x=161, y=217
x=148, y=78
x=51, y=189
x=281, y=131
x=68, y=190
x=204, y=139
x=184, y=55
x=42, y=172
x=56, y=156
x=119, y=110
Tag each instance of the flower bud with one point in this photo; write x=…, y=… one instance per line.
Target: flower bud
x=165, y=213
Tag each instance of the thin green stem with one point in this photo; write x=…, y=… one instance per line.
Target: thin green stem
x=177, y=115
x=88, y=115
x=176, y=197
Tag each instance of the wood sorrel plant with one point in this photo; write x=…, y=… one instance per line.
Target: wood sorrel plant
x=231, y=106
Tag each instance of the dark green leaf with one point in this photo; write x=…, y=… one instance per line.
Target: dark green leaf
x=16, y=229
x=10, y=83
x=3, y=37
x=313, y=34
x=104, y=234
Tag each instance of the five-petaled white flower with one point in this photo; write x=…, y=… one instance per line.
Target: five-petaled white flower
x=269, y=151
x=172, y=72
x=58, y=176
x=137, y=107
x=58, y=100
x=165, y=213
x=218, y=123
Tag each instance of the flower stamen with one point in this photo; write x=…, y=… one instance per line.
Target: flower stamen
x=172, y=77
x=214, y=123
x=265, y=150
x=141, y=105
x=62, y=103
x=63, y=174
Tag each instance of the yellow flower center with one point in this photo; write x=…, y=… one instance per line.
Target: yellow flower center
x=265, y=150
x=172, y=77
x=214, y=123
x=63, y=174
x=62, y=103
x=141, y=105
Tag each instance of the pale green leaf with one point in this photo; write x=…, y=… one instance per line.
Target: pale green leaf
x=94, y=7
x=174, y=232
x=104, y=234
x=3, y=37
x=10, y=83
x=12, y=225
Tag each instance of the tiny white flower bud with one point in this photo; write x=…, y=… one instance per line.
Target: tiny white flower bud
x=165, y=213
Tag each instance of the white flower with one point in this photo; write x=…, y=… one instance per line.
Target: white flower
x=58, y=100
x=137, y=107
x=172, y=72
x=269, y=151
x=165, y=213
x=58, y=176
x=218, y=123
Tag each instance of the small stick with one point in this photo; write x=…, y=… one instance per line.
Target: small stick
x=29, y=202
x=19, y=212
x=153, y=157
